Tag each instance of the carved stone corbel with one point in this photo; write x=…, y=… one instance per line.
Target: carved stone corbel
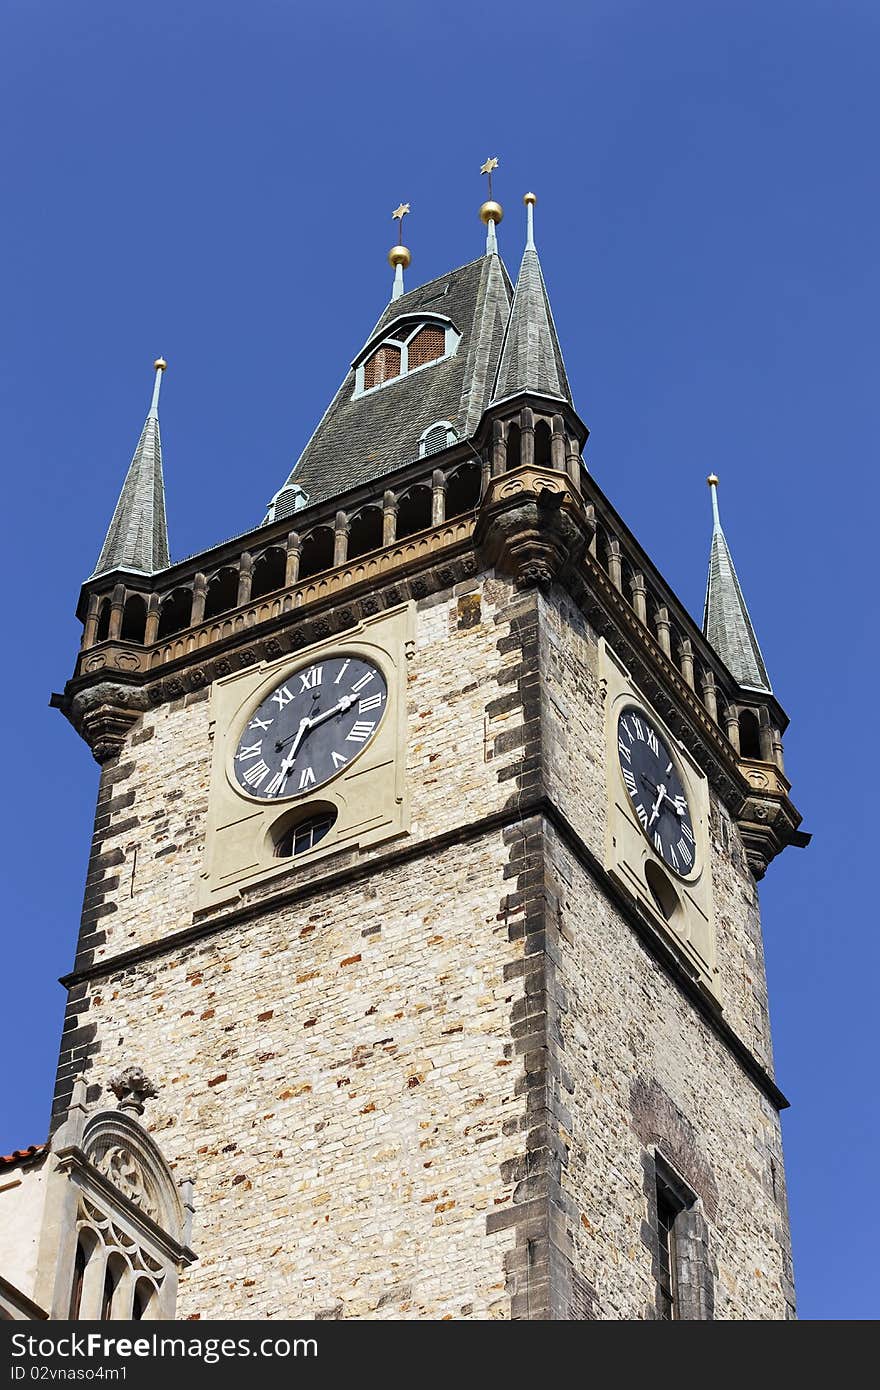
x=768, y=820
x=531, y=525
x=103, y=714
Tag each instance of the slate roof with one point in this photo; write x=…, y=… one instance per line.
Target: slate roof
x=137, y=538
x=726, y=621
x=531, y=359
x=361, y=439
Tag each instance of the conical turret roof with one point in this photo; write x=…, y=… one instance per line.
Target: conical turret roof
x=531, y=359
x=137, y=538
x=726, y=621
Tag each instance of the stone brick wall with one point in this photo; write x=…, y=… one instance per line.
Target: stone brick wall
x=574, y=776
x=149, y=834
x=642, y=1068
x=426, y=1084
x=339, y=1080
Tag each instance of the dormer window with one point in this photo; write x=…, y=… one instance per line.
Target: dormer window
x=409, y=345
x=426, y=346
x=382, y=366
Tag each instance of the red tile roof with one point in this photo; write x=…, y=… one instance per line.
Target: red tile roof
x=22, y=1155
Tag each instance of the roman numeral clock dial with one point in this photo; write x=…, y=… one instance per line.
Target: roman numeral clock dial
x=656, y=791
x=310, y=728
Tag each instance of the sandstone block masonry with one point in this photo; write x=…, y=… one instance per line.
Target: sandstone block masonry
x=430, y=1082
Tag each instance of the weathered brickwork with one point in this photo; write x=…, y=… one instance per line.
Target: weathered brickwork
x=429, y=1082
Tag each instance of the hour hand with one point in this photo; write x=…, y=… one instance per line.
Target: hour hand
x=276, y=786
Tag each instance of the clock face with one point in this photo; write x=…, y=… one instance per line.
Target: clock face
x=310, y=728
x=656, y=790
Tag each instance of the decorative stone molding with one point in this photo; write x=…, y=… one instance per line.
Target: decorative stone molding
x=768, y=821
x=103, y=714
x=111, y=1197
x=132, y=1087
x=532, y=525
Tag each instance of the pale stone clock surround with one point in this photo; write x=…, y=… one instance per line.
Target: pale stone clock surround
x=690, y=927
x=369, y=796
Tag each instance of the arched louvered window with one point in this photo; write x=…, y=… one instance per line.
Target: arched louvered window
x=382, y=365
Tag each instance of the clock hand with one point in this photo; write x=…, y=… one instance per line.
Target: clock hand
x=340, y=707
x=276, y=786
x=311, y=723
x=661, y=792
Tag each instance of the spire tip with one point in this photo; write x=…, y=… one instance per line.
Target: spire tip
x=712, y=481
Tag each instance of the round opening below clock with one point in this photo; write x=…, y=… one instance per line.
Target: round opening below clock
x=656, y=791
x=310, y=728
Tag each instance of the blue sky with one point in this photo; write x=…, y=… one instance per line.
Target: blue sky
x=214, y=183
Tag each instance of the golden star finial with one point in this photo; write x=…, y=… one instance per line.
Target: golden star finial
x=489, y=166
x=400, y=212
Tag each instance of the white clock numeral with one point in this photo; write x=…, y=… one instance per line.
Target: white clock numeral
x=338, y=759
x=260, y=723
x=642, y=814
x=638, y=728
x=630, y=781
x=685, y=852
x=342, y=670
x=307, y=778
x=282, y=696
x=364, y=680
x=624, y=751
x=360, y=732
x=310, y=678
x=274, y=787
x=686, y=831
x=256, y=773
x=658, y=843
x=668, y=768
x=672, y=856
x=653, y=743
x=253, y=751
x=371, y=702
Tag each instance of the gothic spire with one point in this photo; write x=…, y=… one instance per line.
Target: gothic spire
x=531, y=359
x=137, y=538
x=726, y=621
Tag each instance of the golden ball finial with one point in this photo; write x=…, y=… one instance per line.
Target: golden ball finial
x=399, y=255
x=712, y=480
x=160, y=364
x=491, y=212
x=529, y=199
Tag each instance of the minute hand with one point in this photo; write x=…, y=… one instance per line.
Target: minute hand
x=339, y=708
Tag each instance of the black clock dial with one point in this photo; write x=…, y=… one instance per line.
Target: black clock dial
x=656, y=790
x=310, y=727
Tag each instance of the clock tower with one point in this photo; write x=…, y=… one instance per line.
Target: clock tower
x=424, y=874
